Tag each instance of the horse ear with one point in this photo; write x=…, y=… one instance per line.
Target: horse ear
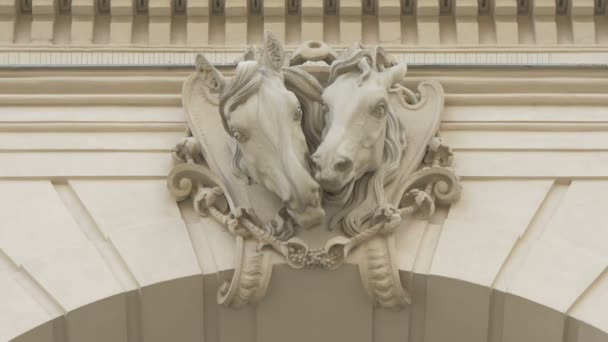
x=273, y=52
x=395, y=74
x=209, y=74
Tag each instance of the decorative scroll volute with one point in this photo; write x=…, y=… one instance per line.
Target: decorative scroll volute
x=371, y=180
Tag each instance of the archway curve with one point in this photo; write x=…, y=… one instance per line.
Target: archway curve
x=298, y=309
x=156, y=252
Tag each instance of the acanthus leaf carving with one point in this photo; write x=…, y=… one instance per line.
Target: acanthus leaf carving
x=376, y=160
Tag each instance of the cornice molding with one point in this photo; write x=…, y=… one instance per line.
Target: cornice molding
x=160, y=85
x=222, y=56
x=240, y=22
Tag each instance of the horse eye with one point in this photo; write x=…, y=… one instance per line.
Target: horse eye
x=379, y=111
x=239, y=136
x=297, y=115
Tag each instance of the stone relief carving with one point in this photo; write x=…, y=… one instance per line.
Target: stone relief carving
x=283, y=162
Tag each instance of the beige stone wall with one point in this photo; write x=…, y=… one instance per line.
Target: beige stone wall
x=93, y=248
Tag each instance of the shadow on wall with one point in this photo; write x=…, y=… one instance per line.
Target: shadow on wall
x=314, y=305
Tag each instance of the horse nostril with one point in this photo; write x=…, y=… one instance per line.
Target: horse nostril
x=315, y=197
x=343, y=165
x=315, y=160
x=315, y=192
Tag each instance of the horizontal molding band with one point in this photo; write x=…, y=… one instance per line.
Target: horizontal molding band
x=526, y=99
x=475, y=83
x=175, y=99
x=486, y=117
x=91, y=114
x=92, y=99
x=555, y=164
x=92, y=58
x=95, y=127
x=519, y=127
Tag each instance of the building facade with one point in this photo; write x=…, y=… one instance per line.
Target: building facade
x=94, y=247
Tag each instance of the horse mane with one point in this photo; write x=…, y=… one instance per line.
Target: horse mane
x=367, y=193
x=358, y=60
x=246, y=81
x=308, y=91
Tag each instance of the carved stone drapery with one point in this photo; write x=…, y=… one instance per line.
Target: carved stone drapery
x=264, y=205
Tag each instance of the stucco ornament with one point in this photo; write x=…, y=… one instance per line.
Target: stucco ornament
x=306, y=174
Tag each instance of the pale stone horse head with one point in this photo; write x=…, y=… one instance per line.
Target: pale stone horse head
x=265, y=120
x=363, y=140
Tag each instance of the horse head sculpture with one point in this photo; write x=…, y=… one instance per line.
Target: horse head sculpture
x=264, y=119
x=372, y=178
x=363, y=140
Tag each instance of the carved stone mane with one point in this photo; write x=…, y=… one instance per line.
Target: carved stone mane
x=247, y=79
x=308, y=91
x=246, y=82
x=367, y=193
x=263, y=120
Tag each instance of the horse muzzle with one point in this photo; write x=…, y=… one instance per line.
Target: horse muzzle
x=332, y=173
x=304, y=203
x=333, y=182
x=309, y=217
